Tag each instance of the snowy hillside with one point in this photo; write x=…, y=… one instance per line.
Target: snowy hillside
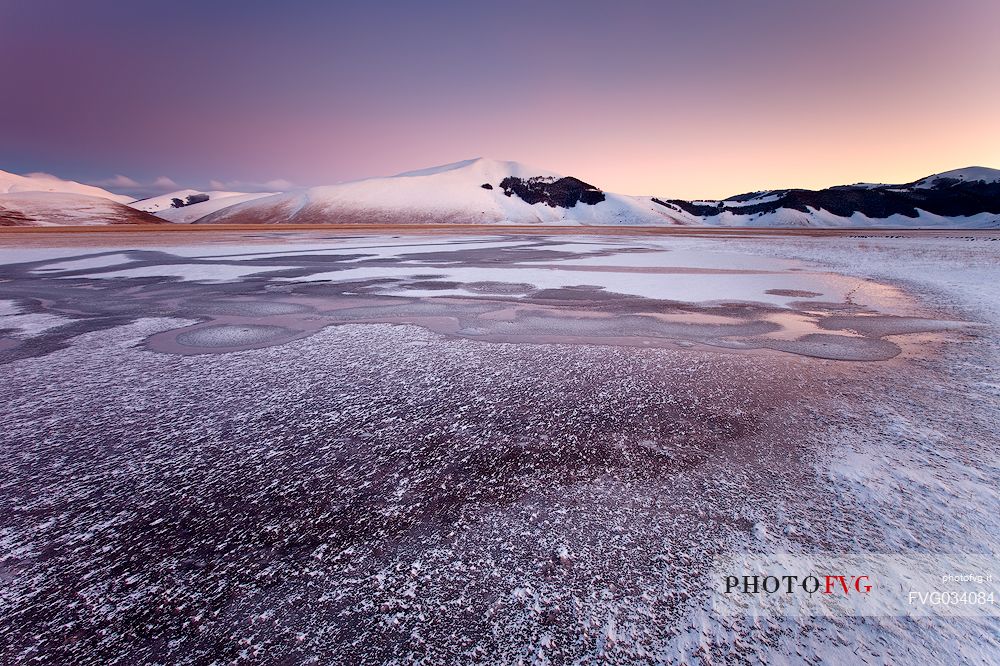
x=963, y=198
x=11, y=182
x=484, y=191
x=479, y=191
x=202, y=203
x=45, y=209
x=194, y=212
x=966, y=175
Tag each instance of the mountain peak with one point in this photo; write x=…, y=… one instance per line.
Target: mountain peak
x=11, y=183
x=487, y=169
x=968, y=175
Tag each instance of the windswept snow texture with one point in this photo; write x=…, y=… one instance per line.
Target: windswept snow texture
x=249, y=451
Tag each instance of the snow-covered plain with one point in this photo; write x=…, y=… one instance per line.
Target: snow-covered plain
x=264, y=467
x=649, y=269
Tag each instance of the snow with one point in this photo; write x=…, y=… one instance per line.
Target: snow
x=65, y=208
x=918, y=464
x=812, y=217
x=954, y=271
x=968, y=174
x=375, y=247
x=193, y=212
x=764, y=198
x=787, y=217
x=680, y=269
x=381, y=492
x=687, y=288
x=369, y=248
x=102, y=261
x=32, y=324
x=162, y=206
x=165, y=201
x=27, y=324
x=11, y=182
x=667, y=254
x=693, y=287
x=485, y=169
x=689, y=271
x=192, y=272
x=450, y=193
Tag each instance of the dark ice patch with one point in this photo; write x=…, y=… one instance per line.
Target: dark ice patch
x=793, y=293
x=879, y=325
x=226, y=336
x=837, y=347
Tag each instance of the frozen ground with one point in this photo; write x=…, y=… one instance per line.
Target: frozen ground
x=497, y=449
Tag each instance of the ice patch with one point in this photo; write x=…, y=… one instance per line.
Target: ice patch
x=192, y=272
x=85, y=263
x=8, y=308
x=31, y=324
x=685, y=287
x=231, y=335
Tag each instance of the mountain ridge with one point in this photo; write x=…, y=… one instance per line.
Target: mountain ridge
x=470, y=191
x=967, y=197
x=488, y=191
x=195, y=203
x=11, y=183
x=48, y=209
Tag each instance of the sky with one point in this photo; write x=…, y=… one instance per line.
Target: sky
x=683, y=99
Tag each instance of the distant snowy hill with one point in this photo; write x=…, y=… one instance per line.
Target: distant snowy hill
x=44, y=209
x=963, y=198
x=479, y=191
x=484, y=191
x=196, y=203
x=11, y=182
x=957, y=176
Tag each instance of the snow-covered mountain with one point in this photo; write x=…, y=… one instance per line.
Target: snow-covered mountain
x=963, y=198
x=186, y=206
x=478, y=191
x=966, y=175
x=46, y=209
x=41, y=182
x=483, y=191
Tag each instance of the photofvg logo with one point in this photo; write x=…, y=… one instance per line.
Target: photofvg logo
x=826, y=584
x=857, y=584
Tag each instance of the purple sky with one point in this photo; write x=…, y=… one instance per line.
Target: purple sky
x=673, y=98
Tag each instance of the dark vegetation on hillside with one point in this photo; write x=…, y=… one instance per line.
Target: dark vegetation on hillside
x=949, y=197
x=191, y=199
x=558, y=193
